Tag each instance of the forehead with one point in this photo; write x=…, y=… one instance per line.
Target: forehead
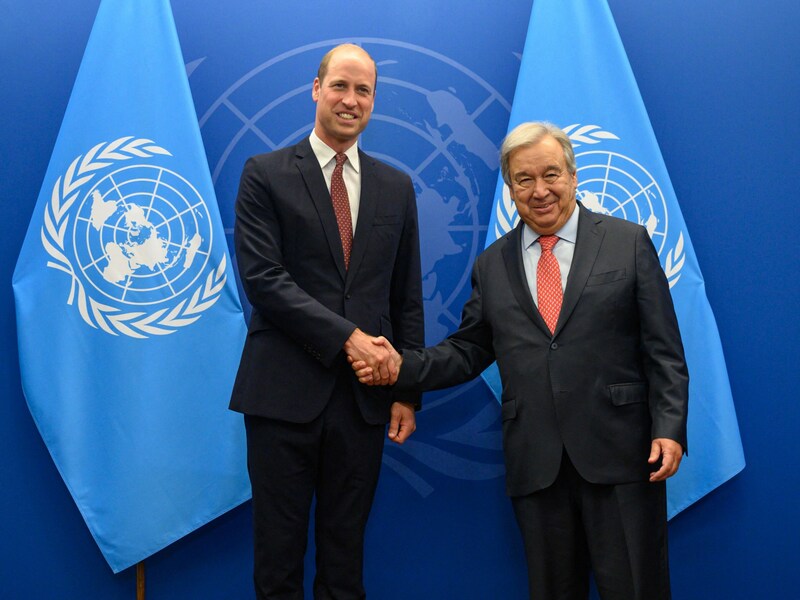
x=544, y=154
x=351, y=62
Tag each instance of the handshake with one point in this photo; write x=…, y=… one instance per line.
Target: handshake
x=374, y=359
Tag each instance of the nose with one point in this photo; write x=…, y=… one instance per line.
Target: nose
x=540, y=188
x=349, y=98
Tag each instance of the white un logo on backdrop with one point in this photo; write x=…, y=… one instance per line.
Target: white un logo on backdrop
x=613, y=184
x=434, y=119
x=135, y=238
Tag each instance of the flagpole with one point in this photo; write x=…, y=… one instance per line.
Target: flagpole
x=140, y=580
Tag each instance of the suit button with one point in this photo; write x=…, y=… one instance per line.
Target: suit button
x=347, y=297
x=554, y=346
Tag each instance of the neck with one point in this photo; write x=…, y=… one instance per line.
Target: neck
x=335, y=145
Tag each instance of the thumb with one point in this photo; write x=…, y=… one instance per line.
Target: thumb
x=394, y=425
x=655, y=452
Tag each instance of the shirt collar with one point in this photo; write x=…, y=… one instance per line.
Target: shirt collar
x=326, y=154
x=568, y=231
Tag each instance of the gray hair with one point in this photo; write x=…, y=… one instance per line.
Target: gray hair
x=529, y=134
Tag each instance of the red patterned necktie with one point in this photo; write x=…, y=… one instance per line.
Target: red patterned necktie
x=548, y=282
x=341, y=206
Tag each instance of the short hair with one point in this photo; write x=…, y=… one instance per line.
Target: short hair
x=529, y=134
x=323, y=65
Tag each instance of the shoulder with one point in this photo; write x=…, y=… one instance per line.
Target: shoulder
x=280, y=156
x=494, y=251
x=382, y=170
x=620, y=238
x=612, y=224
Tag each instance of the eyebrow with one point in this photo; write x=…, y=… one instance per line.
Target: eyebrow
x=546, y=170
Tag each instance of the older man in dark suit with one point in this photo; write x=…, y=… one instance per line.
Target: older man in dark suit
x=328, y=251
x=576, y=310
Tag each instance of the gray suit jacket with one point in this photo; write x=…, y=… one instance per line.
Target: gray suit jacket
x=611, y=378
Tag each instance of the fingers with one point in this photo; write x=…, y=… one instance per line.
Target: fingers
x=395, y=359
x=670, y=452
x=403, y=422
x=384, y=371
x=360, y=347
x=373, y=359
x=389, y=369
x=362, y=371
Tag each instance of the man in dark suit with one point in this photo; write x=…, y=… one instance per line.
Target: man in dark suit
x=576, y=310
x=328, y=251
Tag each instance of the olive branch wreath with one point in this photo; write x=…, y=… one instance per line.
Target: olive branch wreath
x=507, y=217
x=111, y=319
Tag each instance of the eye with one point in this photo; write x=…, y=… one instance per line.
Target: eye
x=551, y=177
x=524, y=182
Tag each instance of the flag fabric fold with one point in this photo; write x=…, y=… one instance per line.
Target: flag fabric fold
x=575, y=73
x=129, y=324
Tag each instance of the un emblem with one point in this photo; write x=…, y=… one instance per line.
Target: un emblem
x=134, y=238
x=430, y=120
x=439, y=122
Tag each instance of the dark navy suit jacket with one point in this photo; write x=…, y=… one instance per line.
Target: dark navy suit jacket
x=612, y=377
x=305, y=303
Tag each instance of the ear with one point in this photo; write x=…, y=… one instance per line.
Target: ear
x=315, y=89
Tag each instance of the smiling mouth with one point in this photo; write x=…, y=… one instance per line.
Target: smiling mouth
x=346, y=116
x=542, y=206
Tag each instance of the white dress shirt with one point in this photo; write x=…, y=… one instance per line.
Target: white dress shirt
x=351, y=172
x=564, y=250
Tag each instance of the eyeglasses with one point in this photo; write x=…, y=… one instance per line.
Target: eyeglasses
x=526, y=182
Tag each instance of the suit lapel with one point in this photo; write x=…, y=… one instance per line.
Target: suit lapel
x=512, y=259
x=367, y=206
x=310, y=170
x=587, y=245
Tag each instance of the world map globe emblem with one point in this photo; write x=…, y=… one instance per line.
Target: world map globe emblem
x=434, y=119
x=430, y=120
x=613, y=184
x=142, y=235
x=135, y=241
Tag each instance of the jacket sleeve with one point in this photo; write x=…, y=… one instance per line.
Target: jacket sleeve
x=662, y=349
x=406, y=307
x=460, y=357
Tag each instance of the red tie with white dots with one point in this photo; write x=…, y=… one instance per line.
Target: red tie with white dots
x=548, y=282
x=341, y=206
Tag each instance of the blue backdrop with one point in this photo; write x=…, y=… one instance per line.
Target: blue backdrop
x=721, y=88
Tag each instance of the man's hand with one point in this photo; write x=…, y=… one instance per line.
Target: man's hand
x=403, y=422
x=375, y=355
x=670, y=452
x=365, y=373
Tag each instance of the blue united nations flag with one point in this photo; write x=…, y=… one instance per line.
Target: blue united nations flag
x=575, y=73
x=130, y=327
